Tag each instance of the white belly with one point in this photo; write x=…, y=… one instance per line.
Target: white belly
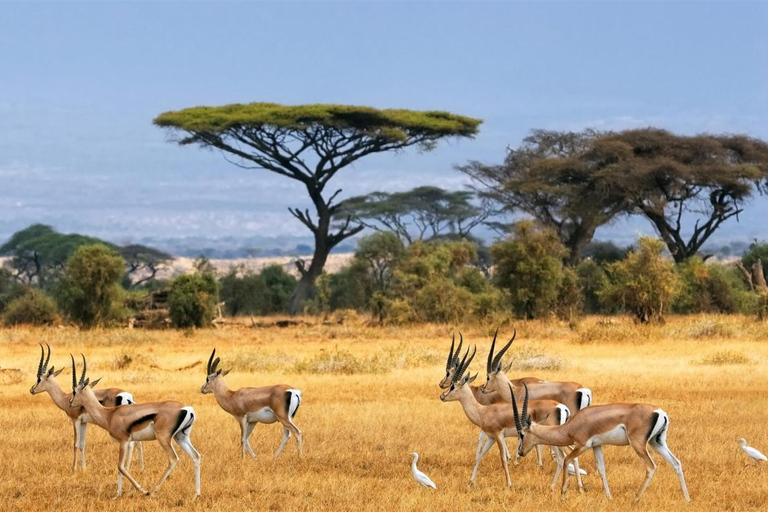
x=263, y=415
x=145, y=434
x=616, y=436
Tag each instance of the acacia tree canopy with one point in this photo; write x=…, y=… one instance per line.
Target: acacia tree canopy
x=310, y=144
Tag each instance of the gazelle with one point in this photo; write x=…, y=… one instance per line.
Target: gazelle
x=495, y=420
x=572, y=394
x=161, y=421
x=482, y=398
x=637, y=425
x=250, y=406
x=112, y=397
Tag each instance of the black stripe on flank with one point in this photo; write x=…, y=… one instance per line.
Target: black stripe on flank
x=661, y=431
x=654, y=419
x=143, y=419
x=579, y=399
x=288, y=402
x=179, y=421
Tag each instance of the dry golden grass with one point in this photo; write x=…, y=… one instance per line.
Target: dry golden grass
x=371, y=397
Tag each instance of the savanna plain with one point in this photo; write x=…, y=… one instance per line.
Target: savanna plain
x=370, y=397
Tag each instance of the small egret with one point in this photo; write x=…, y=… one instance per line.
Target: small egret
x=752, y=453
x=419, y=476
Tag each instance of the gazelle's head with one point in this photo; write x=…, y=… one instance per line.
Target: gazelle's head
x=82, y=387
x=45, y=375
x=212, y=373
x=459, y=380
x=526, y=439
x=453, y=362
x=496, y=376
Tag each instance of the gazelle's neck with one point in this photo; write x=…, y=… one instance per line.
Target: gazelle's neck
x=502, y=383
x=553, y=435
x=222, y=392
x=470, y=405
x=99, y=414
x=58, y=396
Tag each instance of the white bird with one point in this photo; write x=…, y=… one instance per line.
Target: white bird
x=752, y=453
x=419, y=476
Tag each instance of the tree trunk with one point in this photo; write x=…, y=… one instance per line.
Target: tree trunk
x=310, y=275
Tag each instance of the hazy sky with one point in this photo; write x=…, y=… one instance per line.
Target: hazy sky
x=81, y=82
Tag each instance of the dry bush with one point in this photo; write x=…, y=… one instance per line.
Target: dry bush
x=726, y=357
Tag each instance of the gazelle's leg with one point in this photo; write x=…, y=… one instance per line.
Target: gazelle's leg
x=598, y=450
x=480, y=443
x=663, y=450
x=194, y=456
x=577, y=450
x=248, y=429
x=286, y=437
x=538, y=456
x=76, y=444
x=243, y=429
x=173, y=459
x=291, y=426
x=129, y=459
x=124, y=471
x=559, y=456
x=140, y=449
x=503, y=455
x=650, y=466
x=488, y=442
x=577, y=470
x=83, y=427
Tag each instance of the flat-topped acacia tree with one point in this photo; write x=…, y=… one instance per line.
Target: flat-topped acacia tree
x=310, y=144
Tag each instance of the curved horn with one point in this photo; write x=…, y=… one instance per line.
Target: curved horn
x=210, y=360
x=215, y=365
x=74, y=372
x=85, y=366
x=450, y=354
x=488, y=365
x=518, y=425
x=497, y=359
x=40, y=364
x=457, y=354
x=465, y=365
x=525, y=405
x=45, y=364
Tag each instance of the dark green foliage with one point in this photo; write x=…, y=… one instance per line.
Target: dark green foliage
x=644, y=283
x=756, y=251
x=604, y=252
x=89, y=291
x=592, y=279
x=38, y=253
x=10, y=288
x=142, y=263
x=265, y=293
x=712, y=288
x=529, y=268
x=34, y=307
x=193, y=299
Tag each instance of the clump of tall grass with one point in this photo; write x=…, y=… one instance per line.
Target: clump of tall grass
x=533, y=358
x=613, y=330
x=725, y=357
x=710, y=329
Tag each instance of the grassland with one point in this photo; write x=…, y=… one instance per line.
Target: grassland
x=371, y=397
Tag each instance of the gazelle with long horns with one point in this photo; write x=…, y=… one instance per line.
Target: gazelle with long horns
x=575, y=396
x=495, y=420
x=112, y=397
x=482, y=398
x=250, y=406
x=637, y=425
x=162, y=421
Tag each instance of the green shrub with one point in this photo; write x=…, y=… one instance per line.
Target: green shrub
x=712, y=288
x=34, y=307
x=280, y=287
x=243, y=295
x=90, y=289
x=192, y=300
x=529, y=267
x=592, y=279
x=645, y=282
x=10, y=289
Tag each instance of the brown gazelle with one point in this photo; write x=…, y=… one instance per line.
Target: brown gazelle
x=637, y=425
x=495, y=420
x=162, y=421
x=482, y=398
x=112, y=397
x=250, y=406
x=572, y=394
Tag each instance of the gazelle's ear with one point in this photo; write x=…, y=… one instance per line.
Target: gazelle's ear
x=218, y=372
x=50, y=372
x=225, y=372
x=508, y=367
x=471, y=379
x=57, y=372
x=528, y=421
x=93, y=384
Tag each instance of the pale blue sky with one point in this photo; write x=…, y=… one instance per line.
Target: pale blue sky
x=81, y=82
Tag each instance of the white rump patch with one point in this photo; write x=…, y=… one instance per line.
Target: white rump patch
x=586, y=397
x=661, y=422
x=125, y=398
x=295, y=401
x=565, y=413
